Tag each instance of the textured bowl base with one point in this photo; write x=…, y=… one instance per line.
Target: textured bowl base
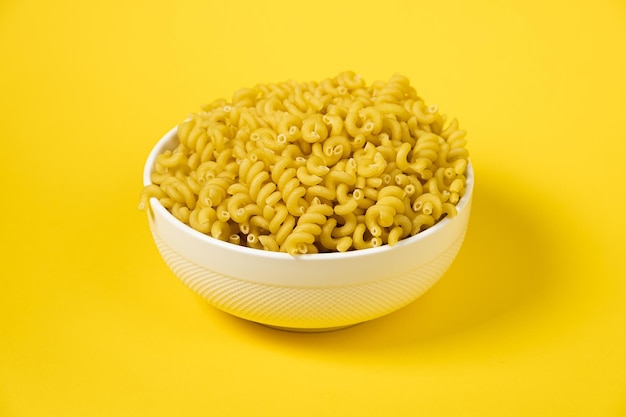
x=306, y=309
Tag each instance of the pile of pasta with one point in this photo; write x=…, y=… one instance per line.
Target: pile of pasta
x=328, y=166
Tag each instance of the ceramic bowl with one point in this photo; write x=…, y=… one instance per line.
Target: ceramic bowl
x=311, y=292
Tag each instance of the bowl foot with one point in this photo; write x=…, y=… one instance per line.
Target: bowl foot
x=308, y=330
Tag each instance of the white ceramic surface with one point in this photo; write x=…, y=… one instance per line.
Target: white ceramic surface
x=307, y=292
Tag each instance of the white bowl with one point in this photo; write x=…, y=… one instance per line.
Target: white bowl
x=308, y=292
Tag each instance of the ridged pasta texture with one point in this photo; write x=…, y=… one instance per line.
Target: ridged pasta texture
x=326, y=166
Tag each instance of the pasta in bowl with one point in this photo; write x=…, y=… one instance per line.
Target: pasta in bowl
x=294, y=207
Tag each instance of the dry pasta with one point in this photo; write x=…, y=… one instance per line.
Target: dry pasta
x=328, y=166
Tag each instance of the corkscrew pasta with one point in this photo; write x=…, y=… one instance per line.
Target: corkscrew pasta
x=326, y=166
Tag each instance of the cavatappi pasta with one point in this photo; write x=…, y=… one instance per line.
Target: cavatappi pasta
x=326, y=166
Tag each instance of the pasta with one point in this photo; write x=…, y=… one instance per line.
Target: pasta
x=328, y=166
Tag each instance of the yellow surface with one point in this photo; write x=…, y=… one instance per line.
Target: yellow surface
x=529, y=321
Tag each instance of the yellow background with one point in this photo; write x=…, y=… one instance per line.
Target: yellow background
x=529, y=321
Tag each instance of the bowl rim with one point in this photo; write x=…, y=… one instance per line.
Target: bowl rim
x=169, y=141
